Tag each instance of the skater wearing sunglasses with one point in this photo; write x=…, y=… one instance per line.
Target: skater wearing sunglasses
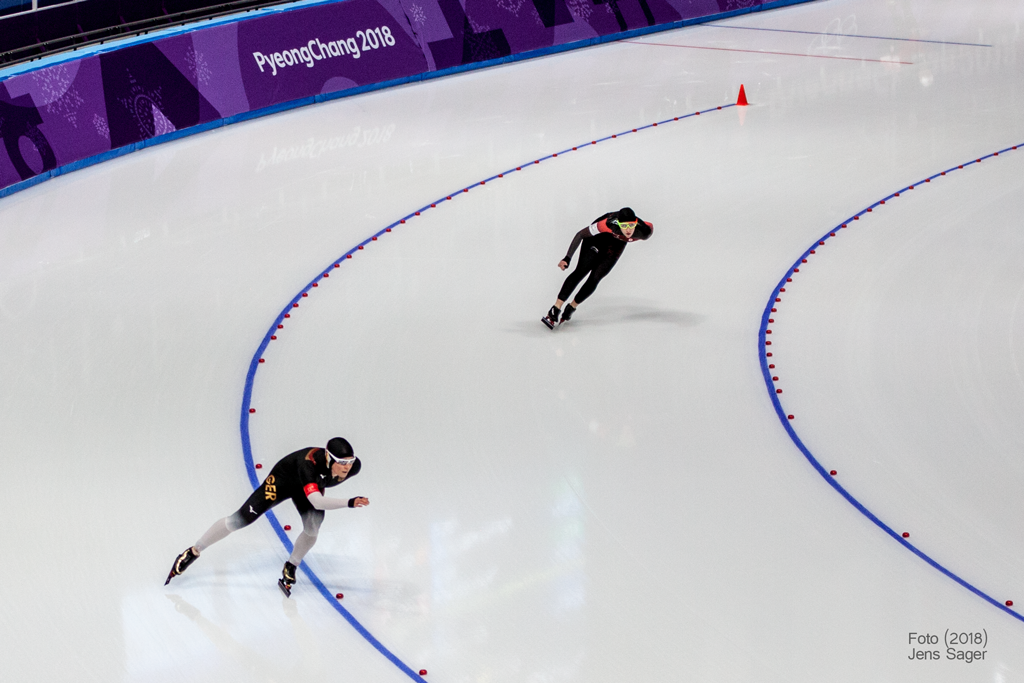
x=603, y=242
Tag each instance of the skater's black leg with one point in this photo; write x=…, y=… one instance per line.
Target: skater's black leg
x=596, y=275
x=574, y=278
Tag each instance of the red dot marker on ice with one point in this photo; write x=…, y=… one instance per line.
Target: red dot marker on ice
x=252, y=410
x=389, y=229
x=373, y=239
x=287, y=315
x=519, y=168
x=615, y=136
x=337, y=265
x=259, y=466
x=287, y=527
x=348, y=255
x=790, y=417
x=305, y=294
x=423, y=672
x=280, y=327
x=262, y=361
x=906, y=534
x=447, y=197
x=315, y=284
x=813, y=252
x=339, y=596
x=833, y=472
x=778, y=391
x=417, y=213
x=832, y=234
x=360, y=246
x=634, y=130
x=294, y=306
x=771, y=366
x=775, y=379
x=273, y=337
x=1009, y=603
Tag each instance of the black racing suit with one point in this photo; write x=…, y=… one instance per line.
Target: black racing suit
x=294, y=476
x=603, y=244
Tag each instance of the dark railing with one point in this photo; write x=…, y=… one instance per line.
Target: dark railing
x=28, y=36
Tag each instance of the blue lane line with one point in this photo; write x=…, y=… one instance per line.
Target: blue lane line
x=764, y=351
x=295, y=304
x=325, y=97
x=853, y=35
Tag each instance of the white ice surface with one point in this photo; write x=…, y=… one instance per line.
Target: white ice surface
x=614, y=501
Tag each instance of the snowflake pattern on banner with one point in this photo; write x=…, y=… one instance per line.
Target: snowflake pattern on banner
x=580, y=9
x=419, y=17
x=57, y=87
x=478, y=28
x=197, y=67
x=161, y=126
x=511, y=6
x=140, y=105
x=482, y=45
x=102, y=129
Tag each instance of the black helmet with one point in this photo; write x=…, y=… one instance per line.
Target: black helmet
x=626, y=215
x=340, y=450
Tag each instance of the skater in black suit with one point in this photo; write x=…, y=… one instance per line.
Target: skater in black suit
x=603, y=242
x=301, y=476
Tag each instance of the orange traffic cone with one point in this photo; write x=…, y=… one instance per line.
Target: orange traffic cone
x=742, y=101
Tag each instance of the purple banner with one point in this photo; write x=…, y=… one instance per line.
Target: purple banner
x=83, y=108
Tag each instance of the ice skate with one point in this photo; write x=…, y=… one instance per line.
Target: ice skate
x=181, y=563
x=567, y=312
x=551, y=319
x=287, y=579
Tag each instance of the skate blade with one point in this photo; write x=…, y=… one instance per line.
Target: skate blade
x=169, y=577
x=285, y=588
x=547, y=322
